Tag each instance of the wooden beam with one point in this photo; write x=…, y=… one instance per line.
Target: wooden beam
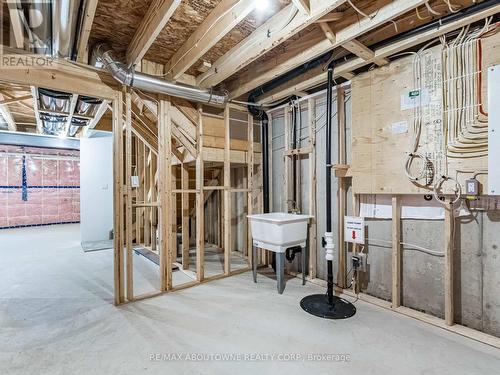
x=16, y=22
x=288, y=61
x=164, y=192
x=34, y=94
x=327, y=30
x=103, y=107
x=119, y=287
x=157, y=16
x=227, y=193
x=200, y=202
x=250, y=177
x=88, y=21
x=317, y=76
x=7, y=116
x=331, y=17
x=14, y=99
x=262, y=40
x=128, y=198
x=63, y=76
x=341, y=188
x=303, y=6
x=313, y=256
x=449, y=236
x=287, y=164
x=219, y=22
x=359, y=49
x=185, y=216
x=71, y=112
x=184, y=141
x=397, y=259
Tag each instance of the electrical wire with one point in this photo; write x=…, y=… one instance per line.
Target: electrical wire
x=360, y=11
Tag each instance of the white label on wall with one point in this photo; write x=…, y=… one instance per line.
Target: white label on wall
x=415, y=98
x=354, y=229
x=134, y=181
x=400, y=127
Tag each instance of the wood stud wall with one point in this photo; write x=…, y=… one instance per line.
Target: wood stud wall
x=151, y=210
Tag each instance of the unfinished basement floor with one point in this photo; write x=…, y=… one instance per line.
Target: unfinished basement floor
x=57, y=317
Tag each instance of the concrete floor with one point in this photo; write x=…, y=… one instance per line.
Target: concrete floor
x=57, y=317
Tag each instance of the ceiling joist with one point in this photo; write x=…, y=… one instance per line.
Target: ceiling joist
x=157, y=16
x=219, y=22
x=316, y=77
x=16, y=22
x=284, y=63
x=7, y=116
x=275, y=31
x=303, y=6
x=34, y=94
x=359, y=49
x=88, y=20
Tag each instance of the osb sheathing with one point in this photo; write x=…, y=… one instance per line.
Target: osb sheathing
x=116, y=22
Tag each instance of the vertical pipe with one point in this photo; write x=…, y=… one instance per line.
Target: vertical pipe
x=328, y=177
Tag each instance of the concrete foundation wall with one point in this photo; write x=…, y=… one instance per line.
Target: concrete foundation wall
x=477, y=253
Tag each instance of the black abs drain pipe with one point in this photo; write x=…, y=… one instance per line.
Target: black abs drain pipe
x=328, y=306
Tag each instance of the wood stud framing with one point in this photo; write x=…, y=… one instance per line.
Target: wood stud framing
x=341, y=188
x=156, y=18
x=397, y=258
x=200, y=202
x=227, y=193
x=313, y=258
x=177, y=138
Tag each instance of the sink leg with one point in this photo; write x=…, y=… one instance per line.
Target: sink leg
x=254, y=263
x=280, y=271
x=303, y=266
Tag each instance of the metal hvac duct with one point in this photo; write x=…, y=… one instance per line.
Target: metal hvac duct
x=64, y=25
x=154, y=84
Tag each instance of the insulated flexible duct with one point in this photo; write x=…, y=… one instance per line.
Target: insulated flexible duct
x=149, y=83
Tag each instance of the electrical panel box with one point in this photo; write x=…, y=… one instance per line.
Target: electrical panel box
x=493, y=130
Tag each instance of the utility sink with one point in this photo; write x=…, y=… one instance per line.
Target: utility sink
x=277, y=232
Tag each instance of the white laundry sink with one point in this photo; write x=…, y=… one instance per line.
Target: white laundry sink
x=277, y=231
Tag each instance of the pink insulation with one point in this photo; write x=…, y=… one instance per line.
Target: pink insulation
x=52, y=180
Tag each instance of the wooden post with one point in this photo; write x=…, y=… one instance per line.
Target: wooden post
x=227, y=193
x=173, y=224
x=185, y=216
x=312, y=188
x=270, y=164
x=250, y=166
x=153, y=170
x=200, y=202
x=164, y=192
x=147, y=197
x=287, y=174
x=355, y=247
x=140, y=213
x=396, y=251
x=341, y=189
x=128, y=197
x=449, y=235
x=118, y=227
